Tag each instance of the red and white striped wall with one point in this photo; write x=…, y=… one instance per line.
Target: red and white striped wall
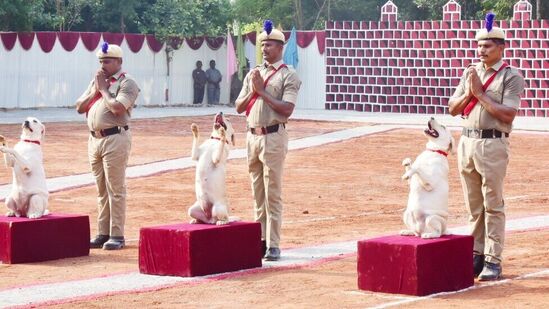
x=414, y=66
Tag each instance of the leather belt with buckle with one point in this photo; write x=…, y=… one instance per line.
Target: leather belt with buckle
x=109, y=131
x=265, y=130
x=483, y=133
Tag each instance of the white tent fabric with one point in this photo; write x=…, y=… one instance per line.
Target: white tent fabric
x=182, y=66
x=34, y=79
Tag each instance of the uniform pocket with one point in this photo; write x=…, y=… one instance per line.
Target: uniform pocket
x=495, y=94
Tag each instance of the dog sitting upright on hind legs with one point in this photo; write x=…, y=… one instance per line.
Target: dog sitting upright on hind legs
x=210, y=186
x=29, y=193
x=427, y=209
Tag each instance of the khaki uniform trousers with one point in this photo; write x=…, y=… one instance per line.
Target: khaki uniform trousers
x=108, y=159
x=266, y=154
x=482, y=164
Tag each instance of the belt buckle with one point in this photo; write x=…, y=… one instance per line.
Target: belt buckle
x=258, y=131
x=475, y=133
x=98, y=134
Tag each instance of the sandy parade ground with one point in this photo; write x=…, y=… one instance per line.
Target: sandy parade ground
x=341, y=184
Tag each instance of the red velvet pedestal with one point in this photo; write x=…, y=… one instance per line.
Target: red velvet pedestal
x=415, y=266
x=50, y=237
x=189, y=250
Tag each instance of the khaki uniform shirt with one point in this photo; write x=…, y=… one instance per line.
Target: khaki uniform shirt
x=125, y=90
x=284, y=85
x=505, y=89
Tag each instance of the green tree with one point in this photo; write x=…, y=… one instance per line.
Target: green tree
x=187, y=18
x=312, y=14
x=19, y=15
x=210, y=17
x=470, y=9
x=502, y=9
x=254, y=11
x=117, y=16
x=540, y=9
x=59, y=15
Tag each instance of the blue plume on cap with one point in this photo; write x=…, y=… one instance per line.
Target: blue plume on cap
x=490, y=21
x=104, y=47
x=268, y=26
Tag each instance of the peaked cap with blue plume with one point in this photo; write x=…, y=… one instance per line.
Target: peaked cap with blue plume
x=489, y=31
x=270, y=33
x=109, y=51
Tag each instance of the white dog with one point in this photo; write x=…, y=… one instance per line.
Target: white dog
x=211, y=204
x=427, y=209
x=29, y=194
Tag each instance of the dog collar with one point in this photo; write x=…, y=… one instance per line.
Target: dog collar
x=217, y=138
x=29, y=141
x=440, y=151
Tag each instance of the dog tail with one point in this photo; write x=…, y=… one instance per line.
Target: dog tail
x=234, y=219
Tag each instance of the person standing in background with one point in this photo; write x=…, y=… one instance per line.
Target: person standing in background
x=214, y=80
x=199, y=83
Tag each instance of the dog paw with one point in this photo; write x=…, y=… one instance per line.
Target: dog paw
x=221, y=222
x=194, y=221
x=406, y=176
x=34, y=216
x=407, y=233
x=430, y=235
x=10, y=214
x=194, y=129
x=407, y=162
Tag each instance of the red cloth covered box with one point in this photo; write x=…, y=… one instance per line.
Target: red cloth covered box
x=415, y=266
x=54, y=236
x=189, y=250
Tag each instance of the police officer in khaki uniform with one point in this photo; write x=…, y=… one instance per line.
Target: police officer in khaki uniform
x=108, y=102
x=483, y=151
x=268, y=96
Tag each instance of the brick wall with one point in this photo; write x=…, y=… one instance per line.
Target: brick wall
x=414, y=66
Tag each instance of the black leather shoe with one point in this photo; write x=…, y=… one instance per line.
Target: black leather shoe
x=263, y=247
x=273, y=254
x=478, y=264
x=98, y=241
x=114, y=243
x=490, y=272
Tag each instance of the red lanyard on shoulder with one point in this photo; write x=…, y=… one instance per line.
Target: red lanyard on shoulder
x=474, y=100
x=256, y=95
x=98, y=95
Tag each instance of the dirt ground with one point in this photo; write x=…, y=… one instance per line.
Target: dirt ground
x=342, y=191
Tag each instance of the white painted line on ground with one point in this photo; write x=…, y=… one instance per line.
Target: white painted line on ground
x=542, y=273
x=379, y=295
x=134, y=282
x=74, y=181
x=512, y=225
